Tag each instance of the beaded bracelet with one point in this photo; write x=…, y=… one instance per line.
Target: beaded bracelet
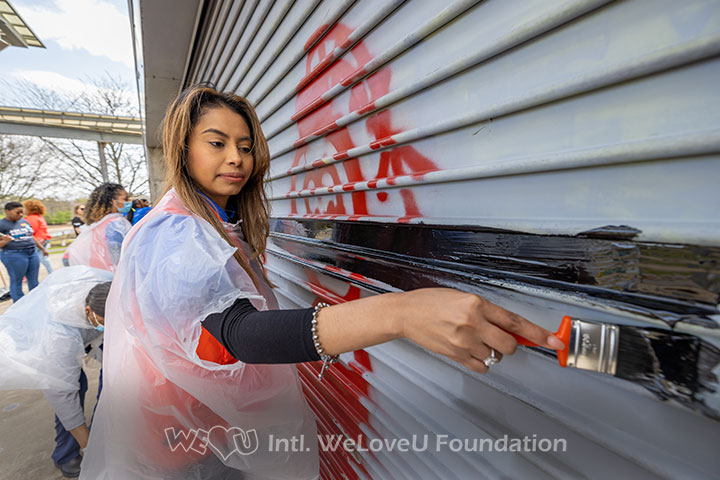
x=327, y=359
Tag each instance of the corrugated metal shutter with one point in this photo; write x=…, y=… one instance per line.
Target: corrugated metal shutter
x=557, y=157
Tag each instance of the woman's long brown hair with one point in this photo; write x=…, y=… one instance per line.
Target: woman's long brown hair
x=251, y=203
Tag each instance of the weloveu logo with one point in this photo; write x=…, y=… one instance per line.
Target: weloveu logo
x=222, y=440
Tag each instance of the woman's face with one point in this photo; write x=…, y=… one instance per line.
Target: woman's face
x=15, y=214
x=120, y=198
x=219, y=154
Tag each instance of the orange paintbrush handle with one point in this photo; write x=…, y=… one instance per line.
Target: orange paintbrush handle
x=563, y=334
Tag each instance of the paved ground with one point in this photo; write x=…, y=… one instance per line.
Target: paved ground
x=27, y=421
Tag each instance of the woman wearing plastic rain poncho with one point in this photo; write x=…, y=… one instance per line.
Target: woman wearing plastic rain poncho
x=99, y=243
x=43, y=339
x=195, y=349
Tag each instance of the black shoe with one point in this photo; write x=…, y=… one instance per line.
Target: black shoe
x=71, y=469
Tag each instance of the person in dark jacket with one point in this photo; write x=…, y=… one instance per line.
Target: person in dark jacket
x=77, y=220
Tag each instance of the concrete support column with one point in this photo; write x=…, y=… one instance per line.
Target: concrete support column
x=103, y=162
x=156, y=172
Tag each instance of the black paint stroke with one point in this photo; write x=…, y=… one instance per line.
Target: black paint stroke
x=673, y=283
x=668, y=282
x=672, y=365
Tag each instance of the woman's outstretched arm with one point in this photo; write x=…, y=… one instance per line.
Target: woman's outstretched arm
x=458, y=325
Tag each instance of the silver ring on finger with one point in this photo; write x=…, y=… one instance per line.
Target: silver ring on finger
x=492, y=359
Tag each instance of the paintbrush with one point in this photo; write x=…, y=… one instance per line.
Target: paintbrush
x=670, y=364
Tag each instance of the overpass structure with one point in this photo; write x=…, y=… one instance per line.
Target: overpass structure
x=100, y=128
x=80, y=126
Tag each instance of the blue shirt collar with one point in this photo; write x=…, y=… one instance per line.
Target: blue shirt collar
x=225, y=215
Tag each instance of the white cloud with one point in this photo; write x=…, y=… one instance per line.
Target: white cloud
x=92, y=25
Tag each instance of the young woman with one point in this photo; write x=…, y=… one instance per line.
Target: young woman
x=43, y=339
x=77, y=221
x=34, y=211
x=18, y=250
x=98, y=245
x=195, y=347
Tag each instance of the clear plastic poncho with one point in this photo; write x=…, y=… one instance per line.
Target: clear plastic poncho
x=166, y=411
x=98, y=245
x=44, y=334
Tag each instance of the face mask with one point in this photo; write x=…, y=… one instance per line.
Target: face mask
x=125, y=208
x=98, y=327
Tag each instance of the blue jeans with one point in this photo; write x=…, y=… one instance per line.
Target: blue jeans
x=66, y=447
x=45, y=261
x=19, y=264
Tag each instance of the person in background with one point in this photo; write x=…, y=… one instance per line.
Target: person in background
x=140, y=208
x=99, y=244
x=43, y=340
x=34, y=211
x=77, y=220
x=18, y=250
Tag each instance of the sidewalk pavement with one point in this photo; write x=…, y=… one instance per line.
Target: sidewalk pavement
x=27, y=427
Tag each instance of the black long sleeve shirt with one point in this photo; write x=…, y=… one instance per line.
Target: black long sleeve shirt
x=272, y=336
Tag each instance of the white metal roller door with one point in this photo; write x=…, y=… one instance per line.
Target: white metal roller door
x=564, y=153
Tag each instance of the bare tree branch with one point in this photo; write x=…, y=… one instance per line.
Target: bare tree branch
x=74, y=165
x=21, y=166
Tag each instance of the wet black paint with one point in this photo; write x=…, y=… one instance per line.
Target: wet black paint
x=667, y=282
x=673, y=283
x=612, y=232
x=672, y=365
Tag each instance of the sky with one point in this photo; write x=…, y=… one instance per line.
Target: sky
x=83, y=39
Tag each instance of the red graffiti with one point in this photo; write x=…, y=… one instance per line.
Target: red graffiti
x=316, y=118
x=325, y=294
x=337, y=401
